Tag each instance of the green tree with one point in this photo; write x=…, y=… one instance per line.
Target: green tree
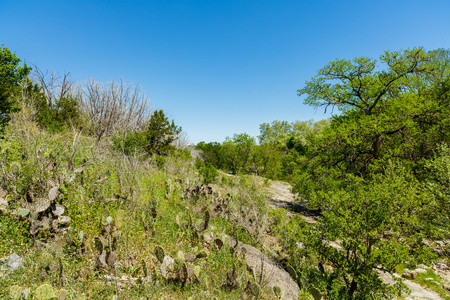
x=275, y=133
x=364, y=170
x=267, y=160
x=395, y=112
x=366, y=227
x=238, y=152
x=212, y=153
x=11, y=76
x=360, y=86
x=160, y=134
x=156, y=137
x=436, y=187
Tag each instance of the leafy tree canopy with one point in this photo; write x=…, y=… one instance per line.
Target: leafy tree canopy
x=358, y=84
x=11, y=75
x=369, y=172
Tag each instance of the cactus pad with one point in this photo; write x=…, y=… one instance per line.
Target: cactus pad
x=53, y=193
x=44, y=292
x=120, y=215
x=159, y=252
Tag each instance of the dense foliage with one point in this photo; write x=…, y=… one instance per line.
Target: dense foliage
x=11, y=76
x=377, y=172
x=282, y=147
x=374, y=172
x=157, y=137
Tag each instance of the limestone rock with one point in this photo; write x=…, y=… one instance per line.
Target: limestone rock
x=11, y=263
x=408, y=274
x=273, y=275
x=167, y=265
x=420, y=271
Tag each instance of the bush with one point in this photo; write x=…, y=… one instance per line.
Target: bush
x=437, y=190
x=11, y=76
x=206, y=171
x=129, y=143
x=63, y=114
x=156, y=138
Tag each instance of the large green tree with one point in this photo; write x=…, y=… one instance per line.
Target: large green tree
x=364, y=172
x=11, y=76
x=396, y=112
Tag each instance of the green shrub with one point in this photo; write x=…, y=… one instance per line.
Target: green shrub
x=11, y=77
x=155, y=138
x=129, y=143
x=65, y=112
x=207, y=171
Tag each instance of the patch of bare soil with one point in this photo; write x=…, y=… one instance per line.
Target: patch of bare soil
x=281, y=197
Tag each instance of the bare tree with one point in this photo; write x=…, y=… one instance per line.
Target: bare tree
x=114, y=106
x=181, y=141
x=54, y=86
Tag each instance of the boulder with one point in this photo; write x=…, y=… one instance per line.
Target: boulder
x=420, y=271
x=272, y=274
x=10, y=263
x=408, y=274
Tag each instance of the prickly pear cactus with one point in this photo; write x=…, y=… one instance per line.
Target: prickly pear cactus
x=53, y=193
x=202, y=254
x=292, y=272
x=44, y=292
x=315, y=293
x=15, y=292
x=159, y=252
x=197, y=270
x=207, y=216
x=105, y=215
x=277, y=291
x=254, y=289
x=45, y=260
x=62, y=294
x=181, y=255
x=98, y=244
x=120, y=214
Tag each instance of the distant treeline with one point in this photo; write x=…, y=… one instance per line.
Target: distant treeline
x=282, y=146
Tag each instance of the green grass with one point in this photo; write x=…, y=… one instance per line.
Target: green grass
x=435, y=284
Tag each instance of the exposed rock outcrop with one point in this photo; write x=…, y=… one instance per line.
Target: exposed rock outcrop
x=271, y=274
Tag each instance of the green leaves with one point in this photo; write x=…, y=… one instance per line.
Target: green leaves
x=355, y=85
x=366, y=172
x=11, y=76
x=155, y=138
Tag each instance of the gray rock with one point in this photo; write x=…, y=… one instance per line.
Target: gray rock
x=11, y=263
x=418, y=292
x=272, y=274
x=167, y=265
x=420, y=271
x=408, y=274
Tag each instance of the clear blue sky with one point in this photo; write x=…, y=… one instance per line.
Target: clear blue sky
x=216, y=67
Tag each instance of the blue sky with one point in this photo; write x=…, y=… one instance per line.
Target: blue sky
x=216, y=67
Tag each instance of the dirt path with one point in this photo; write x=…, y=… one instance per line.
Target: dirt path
x=281, y=197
